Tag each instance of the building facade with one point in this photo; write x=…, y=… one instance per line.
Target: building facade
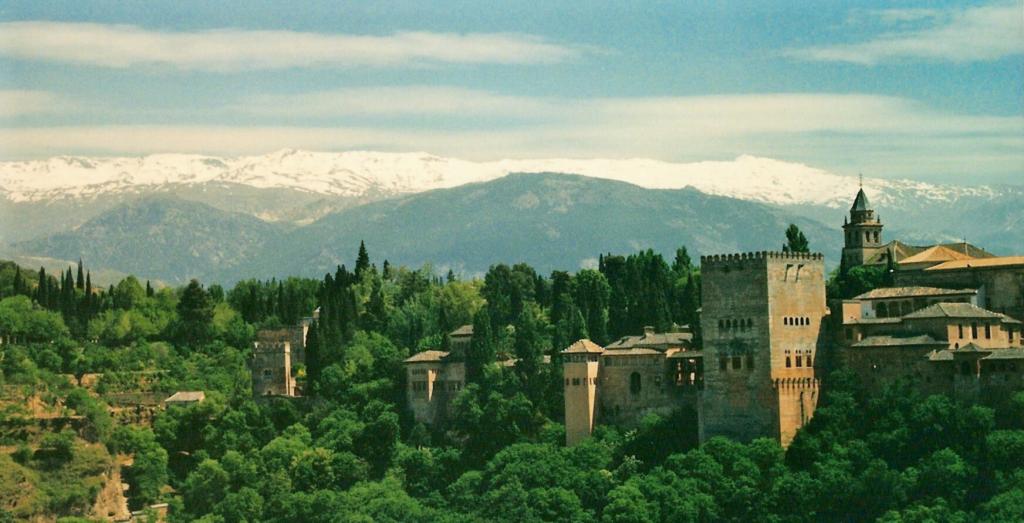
x=276, y=355
x=762, y=319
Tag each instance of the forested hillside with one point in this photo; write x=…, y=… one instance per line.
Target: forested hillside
x=83, y=370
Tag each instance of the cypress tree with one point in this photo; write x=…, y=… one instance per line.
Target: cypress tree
x=19, y=284
x=41, y=289
x=80, y=283
x=313, y=363
x=149, y=289
x=481, y=347
x=362, y=260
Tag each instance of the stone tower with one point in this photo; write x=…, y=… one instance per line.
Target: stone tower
x=762, y=322
x=863, y=232
x=580, y=365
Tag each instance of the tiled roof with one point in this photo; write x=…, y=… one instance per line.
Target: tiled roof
x=583, y=346
x=980, y=263
x=970, y=347
x=186, y=396
x=936, y=254
x=1006, y=354
x=631, y=352
x=860, y=203
x=952, y=310
x=426, y=356
x=898, y=341
x=1007, y=319
x=644, y=340
x=911, y=292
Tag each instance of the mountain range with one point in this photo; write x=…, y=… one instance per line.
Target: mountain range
x=173, y=217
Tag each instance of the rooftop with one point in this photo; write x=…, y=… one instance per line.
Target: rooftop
x=979, y=263
x=1006, y=354
x=426, y=356
x=465, y=330
x=912, y=292
x=632, y=352
x=937, y=254
x=860, y=203
x=583, y=346
x=952, y=310
x=186, y=396
x=898, y=341
x=648, y=339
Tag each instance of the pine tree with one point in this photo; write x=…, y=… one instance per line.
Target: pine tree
x=362, y=260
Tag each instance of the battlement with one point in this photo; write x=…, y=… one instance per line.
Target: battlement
x=730, y=261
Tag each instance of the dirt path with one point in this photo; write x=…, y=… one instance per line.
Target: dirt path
x=111, y=503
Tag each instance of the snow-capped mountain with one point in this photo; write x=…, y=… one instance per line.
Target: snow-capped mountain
x=360, y=174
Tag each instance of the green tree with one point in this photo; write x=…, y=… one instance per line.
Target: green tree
x=795, y=240
x=195, y=313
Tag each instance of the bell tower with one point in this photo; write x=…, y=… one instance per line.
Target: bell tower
x=863, y=232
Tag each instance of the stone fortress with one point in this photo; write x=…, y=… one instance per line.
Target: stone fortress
x=950, y=324
x=276, y=355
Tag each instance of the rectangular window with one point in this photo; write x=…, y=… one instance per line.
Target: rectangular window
x=750, y=361
x=988, y=331
x=789, y=362
x=974, y=331
x=960, y=331
x=799, y=361
x=737, y=362
x=723, y=363
x=809, y=364
x=575, y=381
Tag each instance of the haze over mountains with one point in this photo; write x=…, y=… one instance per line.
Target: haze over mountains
x=173, y=217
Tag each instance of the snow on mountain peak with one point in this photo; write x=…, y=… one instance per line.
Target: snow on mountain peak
x=359, y=173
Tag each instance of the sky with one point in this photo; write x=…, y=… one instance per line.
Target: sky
x=932, y=91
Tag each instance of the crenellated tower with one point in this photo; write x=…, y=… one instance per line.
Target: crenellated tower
x=863, y=233
x=762, y=321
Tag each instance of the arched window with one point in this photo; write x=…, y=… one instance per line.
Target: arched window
x=634, y=383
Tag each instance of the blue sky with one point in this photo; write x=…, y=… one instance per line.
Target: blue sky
x=924, y=90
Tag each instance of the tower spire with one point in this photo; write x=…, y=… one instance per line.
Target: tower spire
x=861, y=175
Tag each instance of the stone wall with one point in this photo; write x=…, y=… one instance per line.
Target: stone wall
x=758, y=310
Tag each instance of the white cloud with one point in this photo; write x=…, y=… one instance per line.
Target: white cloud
x=226, y=50
x=15, y=102
x=882, y=135
x=391, y=101
x=970, y=34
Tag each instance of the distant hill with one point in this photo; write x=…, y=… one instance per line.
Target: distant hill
x=550, y=221
x=55, y=195
x=162, y=238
